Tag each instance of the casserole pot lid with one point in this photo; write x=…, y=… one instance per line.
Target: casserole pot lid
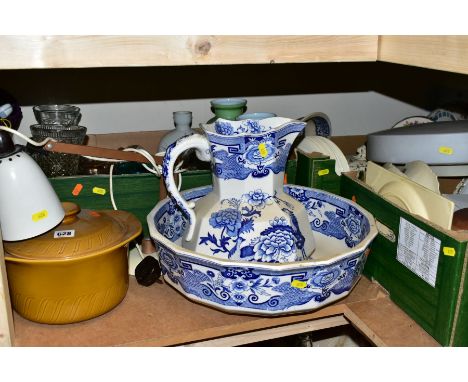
x=81, y=233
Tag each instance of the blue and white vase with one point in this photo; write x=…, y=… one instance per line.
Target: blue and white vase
x=247, y=215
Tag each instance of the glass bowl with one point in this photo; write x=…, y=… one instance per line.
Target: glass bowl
x=57, y=164
x=57, y=114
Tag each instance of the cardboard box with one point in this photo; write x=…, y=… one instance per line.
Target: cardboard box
x=428, y=281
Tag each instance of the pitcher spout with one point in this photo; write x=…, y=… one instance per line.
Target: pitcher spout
x=251, y=148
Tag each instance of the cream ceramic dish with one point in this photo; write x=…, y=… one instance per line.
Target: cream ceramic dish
x=410, y=195
x=343, y=231
x=417, y=171
x=421, y=173
x=326, y=147
x=392, y=168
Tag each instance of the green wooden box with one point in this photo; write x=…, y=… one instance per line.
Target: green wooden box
x=317, y=171
x=434, y=293
x=137, y=194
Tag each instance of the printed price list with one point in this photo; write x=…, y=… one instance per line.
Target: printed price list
x=418, y=251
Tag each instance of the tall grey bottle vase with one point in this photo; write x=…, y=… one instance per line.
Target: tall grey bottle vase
x=183, y=124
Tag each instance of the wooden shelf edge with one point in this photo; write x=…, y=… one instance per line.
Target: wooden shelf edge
x=385, y=324
x=448, y=53
x=36, y=52
x=6, y=315
x=166, y=318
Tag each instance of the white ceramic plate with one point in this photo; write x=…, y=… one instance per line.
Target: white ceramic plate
x=421, y=173
x=326, y=147
x=410, y=196
x=410, y=121
x=405, y=197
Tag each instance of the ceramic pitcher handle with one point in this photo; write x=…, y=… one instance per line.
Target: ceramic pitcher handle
x=202, y=150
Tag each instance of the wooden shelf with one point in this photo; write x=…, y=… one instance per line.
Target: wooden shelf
x=34, y=52
x=449, y=53
x=6, y=316
x=160, y=316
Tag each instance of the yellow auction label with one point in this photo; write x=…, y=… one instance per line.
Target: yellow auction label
x=445, y=150
x=298, y=284
x=448, y=251
x=99, y=190
x=262, y=150
x=325, y=171
x=40, y=215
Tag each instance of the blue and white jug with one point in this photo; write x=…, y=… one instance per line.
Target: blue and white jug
x=247, y=216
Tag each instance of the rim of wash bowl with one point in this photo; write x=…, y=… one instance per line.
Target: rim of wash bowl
x=257, y=264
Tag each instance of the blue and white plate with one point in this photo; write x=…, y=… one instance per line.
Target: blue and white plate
x=317, y=124
x=410, y=121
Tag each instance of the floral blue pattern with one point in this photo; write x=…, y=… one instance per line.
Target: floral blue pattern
x=276, y=244
x=239, y=156
x=234, y=222
x=258, y=198
x=254, y=287
x=171, y=224
x=229, y=220
x=224, y=128
x=259, y=290
x=247, y=126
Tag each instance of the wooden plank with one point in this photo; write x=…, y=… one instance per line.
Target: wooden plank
x=385, y=324
x=278, y=332
x=6, y=317
x=448, y=53
x=160, y=316
x=28, y=52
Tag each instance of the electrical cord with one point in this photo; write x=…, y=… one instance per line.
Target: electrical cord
x=155, y=169
x=29, y=140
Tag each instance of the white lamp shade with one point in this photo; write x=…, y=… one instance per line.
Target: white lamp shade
x=29, y=205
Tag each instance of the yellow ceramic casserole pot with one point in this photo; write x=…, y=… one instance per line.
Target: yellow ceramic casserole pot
x=77, y=271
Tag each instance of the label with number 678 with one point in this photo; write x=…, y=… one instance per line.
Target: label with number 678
x=65, y=233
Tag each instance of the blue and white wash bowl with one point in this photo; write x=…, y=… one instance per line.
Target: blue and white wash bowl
x=343, y=232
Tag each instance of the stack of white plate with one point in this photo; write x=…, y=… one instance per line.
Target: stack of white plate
x=409, y=195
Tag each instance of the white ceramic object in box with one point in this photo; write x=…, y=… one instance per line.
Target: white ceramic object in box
x=410, y=196
x=343, y=231
x=421, y=173
x=247, y=215
x=326, y=147
x=392, y=168
x=418, y=172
